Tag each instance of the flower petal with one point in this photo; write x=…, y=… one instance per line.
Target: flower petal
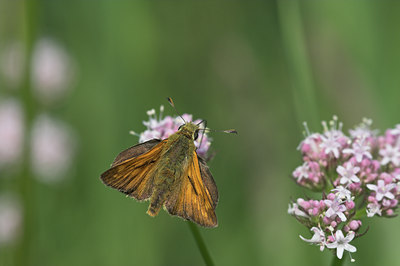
x=339, y=251
x=350, y=248
x=349, y=236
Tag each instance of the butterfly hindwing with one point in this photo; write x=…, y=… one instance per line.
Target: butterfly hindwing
x=134, y=169
x=208, y=180
x=195, y=199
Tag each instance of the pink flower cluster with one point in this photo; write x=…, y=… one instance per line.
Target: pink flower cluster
x=361, y=168
x=161, y=128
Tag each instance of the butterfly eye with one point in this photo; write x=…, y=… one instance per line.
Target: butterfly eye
x=196, y=134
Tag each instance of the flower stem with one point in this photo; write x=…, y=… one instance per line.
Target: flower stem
x=25, y=184
x=294, y=46
x=200, y=244
x=338, y=262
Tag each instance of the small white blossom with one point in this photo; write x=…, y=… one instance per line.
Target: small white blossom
x=396, y=130
x=52, y=70
x=348, y=174
x=341, y=243
x=10, y=218
x=11, y=131
x=318, y=238
x=301, y=172
x=372, y=209
x=52, y=148
x=330, y=144
x=342, y=193
x=390, y=154
x=336, y=208
x=359, y=150
x=382, y=190
x=294, y=210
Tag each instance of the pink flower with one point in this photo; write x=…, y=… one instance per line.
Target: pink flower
x=161, y=128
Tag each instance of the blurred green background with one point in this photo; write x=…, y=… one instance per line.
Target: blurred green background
x=261, y=67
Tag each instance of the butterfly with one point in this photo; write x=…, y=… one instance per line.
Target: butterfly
x=169, y=174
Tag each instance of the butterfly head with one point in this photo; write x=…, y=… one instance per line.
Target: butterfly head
x=189, y=130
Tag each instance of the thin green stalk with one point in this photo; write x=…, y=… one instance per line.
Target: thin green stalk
x=338, y=262
x=292, y=33
x=200, y=244
x=23, y=249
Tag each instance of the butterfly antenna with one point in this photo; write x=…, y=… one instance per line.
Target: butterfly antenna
x=203, y=129
x=229, y=131
x=171, y=102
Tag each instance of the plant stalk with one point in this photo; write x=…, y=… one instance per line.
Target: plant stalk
x=200, y=244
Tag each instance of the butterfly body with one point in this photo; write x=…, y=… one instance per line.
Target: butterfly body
x=177, y=154
x=168, y=173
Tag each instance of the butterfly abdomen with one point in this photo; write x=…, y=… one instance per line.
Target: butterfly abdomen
x=161, y=191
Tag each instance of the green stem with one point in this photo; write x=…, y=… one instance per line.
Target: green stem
x=200, y=244
x=294, y=45
x=338, y=262
x=23, y=249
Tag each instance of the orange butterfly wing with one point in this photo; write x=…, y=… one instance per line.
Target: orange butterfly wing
x=196, y=197
x=134, y=175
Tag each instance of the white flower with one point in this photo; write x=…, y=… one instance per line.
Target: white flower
x=363, y=130
x=390, y=154
x=348, y=174
x=10, y=218
x=53, y=147
x=359, y=150
x=318, y=238
x=301, y=172
x=294, y=210
x=335, y=209
x=11, y=131
x=396, y=130
x=360, y=132
x=382, y=190
x=52, y=70
x=342, y=243
x=372, y=209
x=330, y=144
x=148, y=135
x=342, y=193
x=311, y=140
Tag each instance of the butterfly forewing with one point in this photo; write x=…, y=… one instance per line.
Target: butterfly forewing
x=193, y=200
x=135, y=151
x=134, y=175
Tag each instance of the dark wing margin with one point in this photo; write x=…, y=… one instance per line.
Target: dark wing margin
x=134, y=176
x=135, y=151
x=208, y=180
x=193, y=200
